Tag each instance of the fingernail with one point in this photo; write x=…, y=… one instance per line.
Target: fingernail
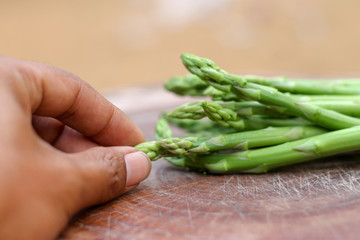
x=138, y=167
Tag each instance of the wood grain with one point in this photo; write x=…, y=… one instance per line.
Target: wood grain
x=315, y=200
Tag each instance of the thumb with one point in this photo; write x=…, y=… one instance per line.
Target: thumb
x=107, y=172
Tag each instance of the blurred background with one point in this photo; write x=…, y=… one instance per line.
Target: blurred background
x=120, y=43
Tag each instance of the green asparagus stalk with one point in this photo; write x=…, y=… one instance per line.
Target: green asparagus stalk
x=241, y=141
x=200, y=128
x=209, y=72
x=186, y=162
x=331, y=98
x=217, y=95
x=350, y=87
x=194, y=110
x=345, y=82
x=223, y=116
x=350, y=108
x=264, y=159
x=189, y=85
x=162, y=130
x=227, y=118
x=226, y=96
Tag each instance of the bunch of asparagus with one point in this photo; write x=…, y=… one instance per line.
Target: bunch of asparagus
x=255, y=124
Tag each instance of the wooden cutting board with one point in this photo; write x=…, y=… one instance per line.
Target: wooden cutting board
x=315, y=200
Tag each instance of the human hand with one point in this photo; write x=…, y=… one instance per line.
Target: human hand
x=59, y=149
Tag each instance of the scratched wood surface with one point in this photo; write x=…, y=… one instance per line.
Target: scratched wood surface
x=315, y=200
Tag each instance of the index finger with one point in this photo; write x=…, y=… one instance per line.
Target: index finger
x=53, y=92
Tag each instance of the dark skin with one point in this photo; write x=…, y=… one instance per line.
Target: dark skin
x=63, y=148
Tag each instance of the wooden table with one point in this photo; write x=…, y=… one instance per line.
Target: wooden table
x=316, y=200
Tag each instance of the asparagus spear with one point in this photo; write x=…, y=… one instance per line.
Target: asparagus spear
x=227, y=118
x=346, y=82
x=308, y=87
x=217, y=95
x=189, y=85
x=332, y=98
x=209, y=72
x=201, y=128
x=350, y=108
x=265, y=159
x=242, y=140
x=162, y=130
x=194, y=110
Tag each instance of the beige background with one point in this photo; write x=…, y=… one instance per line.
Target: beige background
x=118, y=43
